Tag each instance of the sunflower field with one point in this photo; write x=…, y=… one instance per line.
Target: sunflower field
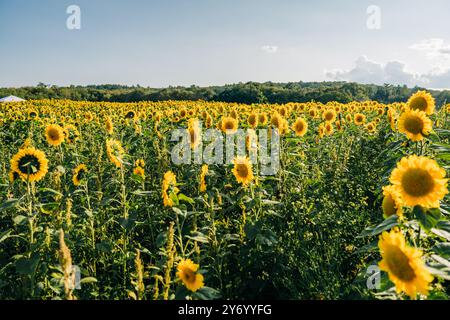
x=93, y=207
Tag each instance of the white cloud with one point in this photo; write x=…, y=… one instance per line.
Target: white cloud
x=269, y=49
x=436, y=51
x=393, y=72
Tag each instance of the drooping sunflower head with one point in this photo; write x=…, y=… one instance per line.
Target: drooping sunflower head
x=242, y=170
x=187, y=272
x=392, y=203
x=419, y=181
x=30, y=163
x=300, y=127
x=422, y=101
x=329, y=115
x=79, y=174
x=54, y=134
x=403, y=264
x=360, y=119
x=229, y=125
x=115, y=152
x=414, y=124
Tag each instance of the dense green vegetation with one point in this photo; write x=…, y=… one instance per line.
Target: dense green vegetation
x=250, y=92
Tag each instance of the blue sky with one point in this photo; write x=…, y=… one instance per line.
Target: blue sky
x=214, y=42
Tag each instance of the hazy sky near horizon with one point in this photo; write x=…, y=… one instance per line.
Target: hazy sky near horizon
x=215, y=42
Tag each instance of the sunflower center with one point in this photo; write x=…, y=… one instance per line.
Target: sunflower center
x=229, y=125
x=399, y=265
x=189, y=275
x=29, y=164
x=414, y=125
x=417, y=182
x=81, y=174
x=299, y=126
x=419, y=103
x=329, y=116
x=242, y=170
x=53, y=134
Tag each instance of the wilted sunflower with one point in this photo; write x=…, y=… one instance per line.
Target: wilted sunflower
x=229, y=125
x=360, y=119
x=414, y=124
x=30, y=164
x=403, y=264
x=115, y=151
x=329, y=115
x=54, y=134
x=79, y=173
x=419, y=181
x=422, y=101
x=242, y=170
x=203, y=173
x=169, y=186
x=300, y=127
x=187, y=272
x=391, y=202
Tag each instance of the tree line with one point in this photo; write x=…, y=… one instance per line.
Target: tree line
x=250, y=92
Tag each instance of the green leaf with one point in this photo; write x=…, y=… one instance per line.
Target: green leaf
x=185, y=198
x=18, y=220
x=104, y=246
x=88, y=280
x=206, y=293
x=387, y=224
x=27, y=265
x=9, y=204
x=443, y=249
x=5, y=235
x=428, y=218
x=198, y=236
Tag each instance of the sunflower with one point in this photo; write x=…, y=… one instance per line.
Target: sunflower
x=329, y=115
x=419, y=181
x=109, y=125
x=328, y=128
x=262, y=118
x=229, y=125
x=280, y=123
x=54, y=134
x=203, y=173
x=371, y=127
x=391, y=202
x=139, y=171
x=403, y=264
x=300, y=127
x=169, y=186
x=79, y=174
x=252, y=120
x=414, y=124
x=130, y=114
x=243, y=170
x=360, y=119
x=422, y=101
x=187, y=272
x=30, y=164
x=115, y=152
x=13, y=176
x=313, y=112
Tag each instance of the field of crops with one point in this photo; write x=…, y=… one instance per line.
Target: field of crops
x=92, y=205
